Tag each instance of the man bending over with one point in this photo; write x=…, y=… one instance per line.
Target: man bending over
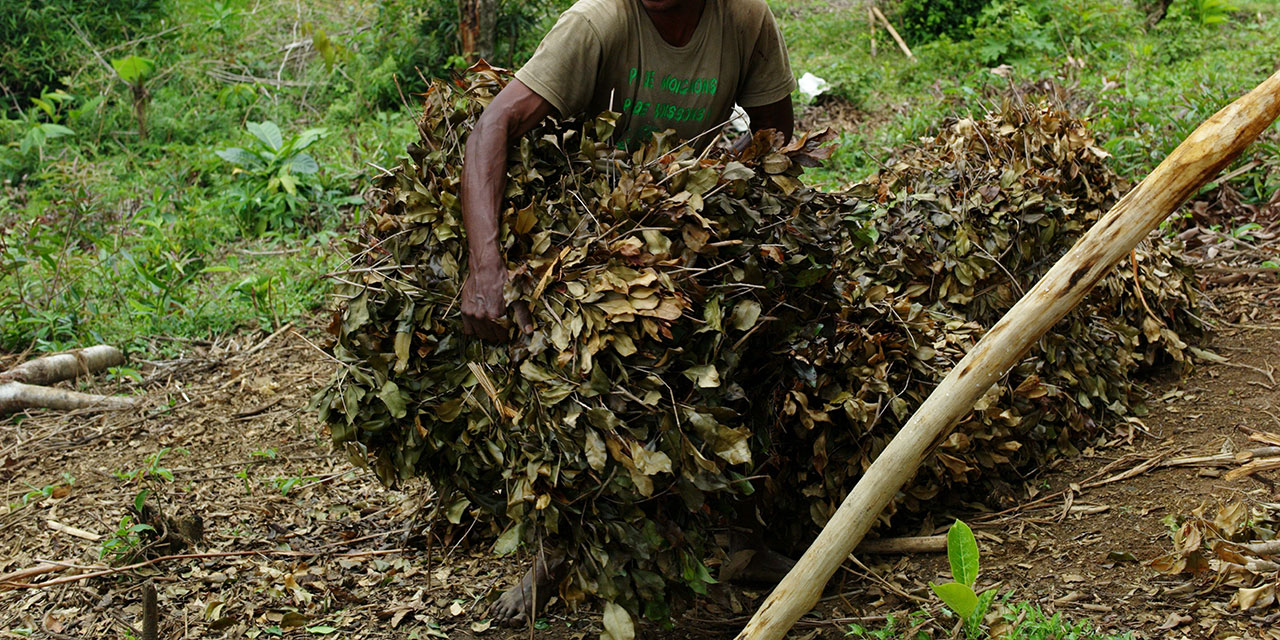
x=661, y=64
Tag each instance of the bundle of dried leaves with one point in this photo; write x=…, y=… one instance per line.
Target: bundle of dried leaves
x=1236, y=549
x=703, y=322
x=961, y=227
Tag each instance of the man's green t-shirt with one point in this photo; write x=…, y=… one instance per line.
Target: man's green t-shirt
x=606, y=55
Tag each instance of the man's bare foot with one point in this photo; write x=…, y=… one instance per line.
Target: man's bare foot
x=525, y=600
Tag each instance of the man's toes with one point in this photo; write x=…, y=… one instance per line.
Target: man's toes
x=509, y=608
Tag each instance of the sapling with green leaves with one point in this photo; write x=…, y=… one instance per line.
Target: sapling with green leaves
x=134, y=71
x=959, y=595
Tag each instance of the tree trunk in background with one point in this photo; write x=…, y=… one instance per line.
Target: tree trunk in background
x=1156, y=11
x=477, y=20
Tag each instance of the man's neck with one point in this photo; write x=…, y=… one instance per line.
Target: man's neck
x=675, y=20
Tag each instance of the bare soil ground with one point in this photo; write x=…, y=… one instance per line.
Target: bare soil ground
x=299, y=543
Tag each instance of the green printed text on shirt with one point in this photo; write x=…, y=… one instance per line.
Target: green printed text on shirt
x=674, y=84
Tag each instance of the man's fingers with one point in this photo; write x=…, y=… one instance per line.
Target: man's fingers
x=524, y=319
x=494, y=332
x=484, y=328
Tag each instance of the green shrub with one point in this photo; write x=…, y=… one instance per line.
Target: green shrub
x=926, y=20
x=1006, y=30
x=421, y=38
x=276, y=182
x=41, y=45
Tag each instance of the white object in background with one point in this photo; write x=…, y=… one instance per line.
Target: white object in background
x=739, y=121
x=812, y=86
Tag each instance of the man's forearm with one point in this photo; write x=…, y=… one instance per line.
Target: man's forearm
x=484, y=178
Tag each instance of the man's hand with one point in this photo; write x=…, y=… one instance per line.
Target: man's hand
x=483, y=309
x=484, y=312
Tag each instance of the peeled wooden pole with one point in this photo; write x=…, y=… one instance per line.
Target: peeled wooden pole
x=22, y=386
x=1200, y=157
x=64, y=366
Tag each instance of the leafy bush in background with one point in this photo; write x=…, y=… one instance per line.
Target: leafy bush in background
x=1009, y=29
x=41, y=45
x=927, y=20
x=422, y=38
x=276, y=182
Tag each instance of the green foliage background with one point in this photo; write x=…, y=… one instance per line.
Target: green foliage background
x=924, y=20
x=107, y=237
x=424, y=37
x=41, y=47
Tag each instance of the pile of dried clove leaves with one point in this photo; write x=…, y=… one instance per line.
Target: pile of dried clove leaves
x=706, y=328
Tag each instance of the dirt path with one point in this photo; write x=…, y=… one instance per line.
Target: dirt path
x=312, y=547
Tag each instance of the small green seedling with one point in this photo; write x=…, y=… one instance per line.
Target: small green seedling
x=959, y=595
x=134, y=71
x=151, y=470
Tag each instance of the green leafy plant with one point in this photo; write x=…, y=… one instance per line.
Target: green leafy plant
x=123, y=373
x=1028, y=622
x=285, y=484
x=260, y=290
x=274, y=179
x=331, y=52
x=1010, y=29
x=42, y=47
x=151, y=469
x=1207, y=12
x=134, y=71
x=49, y=490
x=925, y=20
x=1242, y=232
x=959, y=595
x=31, y=132
x=122, y=543
x=222, y=16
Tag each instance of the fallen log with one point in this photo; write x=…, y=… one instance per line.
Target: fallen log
x=64, y=366
x=22, y=386
x=1209, y=149
x=16, y=396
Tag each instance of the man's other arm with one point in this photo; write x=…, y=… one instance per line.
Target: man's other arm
x=514, y=111
x=778, y=115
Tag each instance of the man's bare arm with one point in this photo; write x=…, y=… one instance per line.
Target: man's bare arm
x=777, y=115
x=514, y=111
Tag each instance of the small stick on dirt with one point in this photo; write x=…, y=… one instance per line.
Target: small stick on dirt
x=1258, y=435
x=893, y=32
x=15, y=577
x=1252, y=467
x=72, y=531
x=908, y=545
x=1221, y=459
x=150, y=612
x=1269, y=547
x=258, y=410
x=266, y=341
